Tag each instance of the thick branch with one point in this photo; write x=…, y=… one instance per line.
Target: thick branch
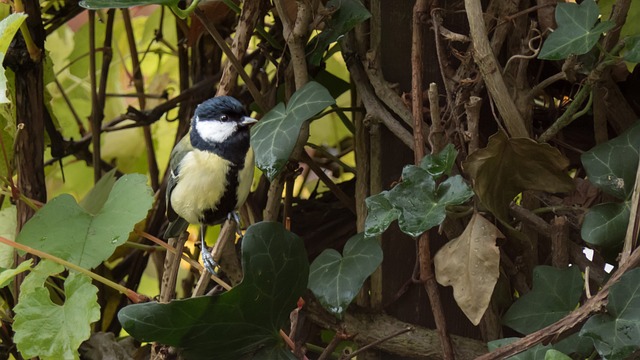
x=491, y=73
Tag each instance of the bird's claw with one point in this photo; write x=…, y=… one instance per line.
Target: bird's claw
x=207, y=259
x=236, y=217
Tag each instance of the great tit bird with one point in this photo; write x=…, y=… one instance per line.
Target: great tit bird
x=211, y=169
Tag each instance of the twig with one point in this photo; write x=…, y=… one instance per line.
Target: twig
x=132, y=295
x=472, y=109
x=96, y=117
x=490, y=70
x=344, y=198
x=420, y=11
x=568, y=116
x=633, y=228
x=371, y=102
x=295, y=35
x=375, y=343
x=171, y=267
x=251, y=86
x=244, y=31
x=437, y=136
x=138, y=82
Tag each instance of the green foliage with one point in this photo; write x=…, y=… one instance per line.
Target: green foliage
x=49, y=330
x=242, y=320
x=555, y=294
x=577, y=32
x=336, y=279
x=633, y=49
x=8, y=225
x=612, y=168
x=418, y=202
x=616, y=334
x=7, y=275
x=8, y=28
x=507, y=167
x=347, y=14
x=275, y=136
x=88, y=235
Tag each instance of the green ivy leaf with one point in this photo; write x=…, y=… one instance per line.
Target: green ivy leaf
x=8, y=28
x=380, y=214
x=241, y=321
x=616, y=334
x=86, y=237
x=441, y=163
x=422, y=205
x=632, y=44
x=336, y=279
x=275, y=135
x=507, y=167
x=48, y=330
x=345, y=16
x=417, y=202
x=577, y=32
x=605, y=225
x=555, y=294
x=612, y=166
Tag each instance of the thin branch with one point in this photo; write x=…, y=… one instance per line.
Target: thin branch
x=138, y=82
x=251, y=86
x=570, y=323
x=568, y=116
x=96, y=113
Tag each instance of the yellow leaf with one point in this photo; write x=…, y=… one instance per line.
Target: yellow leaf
x=470, y=263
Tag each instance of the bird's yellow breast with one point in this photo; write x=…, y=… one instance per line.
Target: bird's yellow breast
x=202, y=182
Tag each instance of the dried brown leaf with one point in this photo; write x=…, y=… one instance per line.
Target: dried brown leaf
x=470, y=263
x=507, y=167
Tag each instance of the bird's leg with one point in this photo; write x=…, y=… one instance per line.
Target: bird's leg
x=207, y=259
x=236, y=217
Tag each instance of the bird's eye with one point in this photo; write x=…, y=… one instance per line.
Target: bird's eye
x=224, y=117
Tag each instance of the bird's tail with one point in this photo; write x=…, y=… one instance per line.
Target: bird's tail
x=176, y=228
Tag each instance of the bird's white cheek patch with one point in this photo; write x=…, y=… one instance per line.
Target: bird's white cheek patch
x=215, y=131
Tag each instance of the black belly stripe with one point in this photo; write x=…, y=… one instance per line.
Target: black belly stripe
x=227, y=203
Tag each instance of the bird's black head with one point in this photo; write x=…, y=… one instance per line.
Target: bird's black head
x=214, y=108
x=220, y=125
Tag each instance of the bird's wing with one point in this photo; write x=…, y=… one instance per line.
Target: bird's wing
x=177, y=154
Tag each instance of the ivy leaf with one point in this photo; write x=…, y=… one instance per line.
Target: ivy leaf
x=336, y=279
x=421, y=203
x=507, y=167
x=577, y=32
x=345, y=16
x=632, y=44
x=86, y=237
x=380, y=214
x=616, y=334
x=275, y=135
x=441, y=163
x=612, y=166
x=555, y=294
x=241, y=321
x=8, y=28
x=470, y=264
x=605, y=224
x=48, y=330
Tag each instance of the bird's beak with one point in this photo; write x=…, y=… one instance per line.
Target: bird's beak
x=247, y=121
